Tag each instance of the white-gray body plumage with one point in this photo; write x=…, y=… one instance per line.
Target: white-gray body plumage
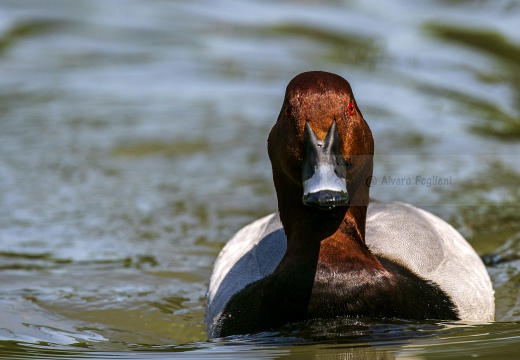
x=414, y=238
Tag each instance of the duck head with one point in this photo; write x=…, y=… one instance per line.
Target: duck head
x=321, y=148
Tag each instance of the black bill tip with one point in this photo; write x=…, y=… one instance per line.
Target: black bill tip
x=326, y=199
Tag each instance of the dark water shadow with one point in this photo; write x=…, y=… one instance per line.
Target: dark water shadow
x=491, y=119
x=30, y=28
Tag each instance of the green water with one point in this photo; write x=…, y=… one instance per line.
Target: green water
x=133, y=145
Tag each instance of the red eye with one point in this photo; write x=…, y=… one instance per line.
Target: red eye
x=351, y=108
x=288, y=111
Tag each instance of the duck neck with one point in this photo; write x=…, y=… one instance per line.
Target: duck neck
x=325, y=250
x=309, y=229
x=315, y=239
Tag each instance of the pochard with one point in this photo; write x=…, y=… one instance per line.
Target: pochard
x=330, y=251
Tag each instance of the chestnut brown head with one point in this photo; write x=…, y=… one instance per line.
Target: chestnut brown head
x=321, y=144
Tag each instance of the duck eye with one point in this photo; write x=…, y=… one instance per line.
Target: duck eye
x=288, y=111
x=351, y=108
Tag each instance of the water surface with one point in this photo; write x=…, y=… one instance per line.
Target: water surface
x=133, y=145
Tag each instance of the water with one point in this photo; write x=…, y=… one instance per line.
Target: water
x=133, y=145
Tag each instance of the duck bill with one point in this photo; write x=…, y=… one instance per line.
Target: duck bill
x=324, y=170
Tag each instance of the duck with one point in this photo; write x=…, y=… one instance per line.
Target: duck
x=330, y=250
